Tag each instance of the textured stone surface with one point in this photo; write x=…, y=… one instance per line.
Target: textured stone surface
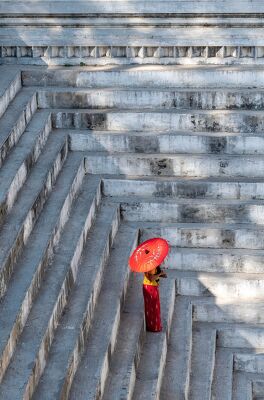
x=132, y=153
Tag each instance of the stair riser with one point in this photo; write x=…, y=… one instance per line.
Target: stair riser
x=141, y=78
x=166, y=144
x=88, y=316
x=252, y=363
x=34, y=287
x=181, y=189
x=231, y=289
x=209, y=237
x=258, y=389
x=203, y=212
x=20, y=126
x=178, y=166
x=243, y=337
x=214, y=262
x=244, y=122
x=25, y=168
x=102, y=99
x=10, y=93
x=61, y=302
x=30, y=220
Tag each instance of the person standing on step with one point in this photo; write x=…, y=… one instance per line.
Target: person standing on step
x=152, y=299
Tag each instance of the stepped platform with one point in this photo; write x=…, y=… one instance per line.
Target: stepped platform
x=95, y=160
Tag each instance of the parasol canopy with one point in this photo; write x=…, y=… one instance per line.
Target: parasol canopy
x=148, y=255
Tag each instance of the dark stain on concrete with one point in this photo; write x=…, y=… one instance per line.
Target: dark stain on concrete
x=144, y=144
x=217, y=145
x=161, y=166
x=163, y=190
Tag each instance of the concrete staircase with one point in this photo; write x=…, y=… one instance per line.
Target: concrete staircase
x=95, y=160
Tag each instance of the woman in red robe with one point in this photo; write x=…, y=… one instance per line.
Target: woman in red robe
x=152, y=299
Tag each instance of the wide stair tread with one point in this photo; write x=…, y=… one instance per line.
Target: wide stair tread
x=48, y=306
x=126, y=356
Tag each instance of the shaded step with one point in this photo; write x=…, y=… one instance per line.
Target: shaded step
x=9, y=86
x=221, y=285
x=175, y=383
x=175, y=98
x=172, y=187
x=154, y=349
x=37, y=255
x=17, y=166
x=126, y=357
x=71, y=334
x=228, y=236
x=36, y=338
x=216, y=260
x=151, y=142
x=202, y=363
x=93, y=368
x=258, y=388
x=180, y=165
x=223, y=375
x=195, y=120
x=205, y=211
x=14, y=121
x=147, y=76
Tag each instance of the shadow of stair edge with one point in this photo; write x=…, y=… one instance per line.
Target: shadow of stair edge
x=80, y=308
x=12, y=132
x=66, y=288
x=8, y=344
x=11, y=257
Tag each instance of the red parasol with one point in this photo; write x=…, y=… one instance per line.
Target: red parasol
x=148, y=255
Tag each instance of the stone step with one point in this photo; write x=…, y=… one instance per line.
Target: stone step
x=176, y=376
x=223, y=375
x=179, y=165
x=227, y=236
x=245, y=121
x=216, y=260
x=124, y=363
x=257, y=387
x=134, y=76
x=242, y=387
x=16, y=230
x=249, y=362
x=133, y=7
x=154, y=350
x=9, y=87
x=92, y=372
x=68, y=343
x=151, y=142
x=36, y=338
x=164, y=98
x=23, y=288
x=220, y=285
x=202, y=363
x=13, y=123
x=17, y=166
x=172, y=187
x=191, y=211
x=245, y=312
